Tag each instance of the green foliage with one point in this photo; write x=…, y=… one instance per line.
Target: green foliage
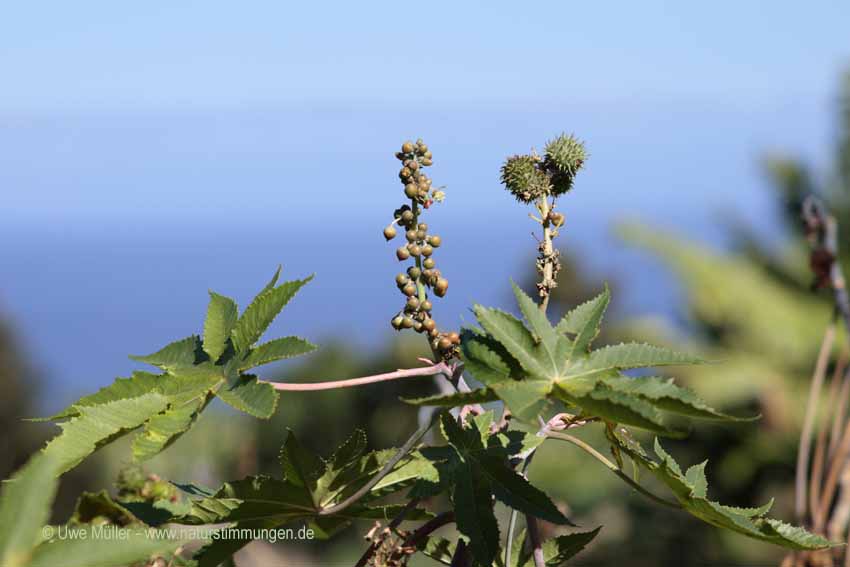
x=526, y=366
x=311, y=486
x=25, y=509
x=691, y=490
x=475, y=468
x=194, y=372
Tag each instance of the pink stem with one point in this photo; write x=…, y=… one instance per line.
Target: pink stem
x=441, y=368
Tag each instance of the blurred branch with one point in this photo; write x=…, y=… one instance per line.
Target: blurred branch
x=435, y=369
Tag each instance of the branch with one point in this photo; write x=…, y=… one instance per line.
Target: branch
x=387, y=469
x=435, y=369
x=612, y=467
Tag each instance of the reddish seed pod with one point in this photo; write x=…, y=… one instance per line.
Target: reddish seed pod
x=454, y=338
x=409, y=289
x=444, y=344
x=434, y=333
x=441, y=287
x=429, y=324
x=412, y=303
x=413, y=165
x=389, y=232
x=426, y=305
x=402, y=254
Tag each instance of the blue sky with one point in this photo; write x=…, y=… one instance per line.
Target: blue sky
x=99, y=56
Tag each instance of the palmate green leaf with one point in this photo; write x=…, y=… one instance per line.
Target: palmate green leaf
x=624, y=356
x=690, y=489
x=221, y=317
x=97, y=425
x=262, y=311
x=558, y=550
x=91, y=551
x=277, y=349
x=91, y=505
x=247, y=394
x=474, y=516
x=590, y=329
x=174, y=355
x=477, y=396
x=577, y=319
x=164, y=428
x=517, y=340
x=25, y=507
x=121, y=389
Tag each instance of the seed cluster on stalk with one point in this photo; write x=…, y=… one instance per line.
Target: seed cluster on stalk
x=422, y=275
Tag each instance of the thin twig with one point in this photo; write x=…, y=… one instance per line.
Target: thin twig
x=816, y=476
x=612, y=467
x=428, y=528
x=411, y=504
x=841, y=410
x=800, y=480
x=536, y=542
x=436, y=369
x=387, y=469
x=835, y=466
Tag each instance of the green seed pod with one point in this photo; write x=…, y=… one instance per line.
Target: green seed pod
x=402, y=254
x=441, y=287
x=429, y=324
x=521, y=176
x=412, y=302
x=409, y=289
x=397, y=321
x=414, y=249
x=407, y=217
x=427, y=162
x=435, y=241
x=427, y=250
x=426, y=305
x=564, y=156
x=407, y=323
x=410, y=235
x=411, y=191
x=402, y=280
x=429, y=262
x=423, y=227
x=389, y=233
x=407, y=147
x=414, y=272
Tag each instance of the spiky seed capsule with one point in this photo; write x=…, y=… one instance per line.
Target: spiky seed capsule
x=427, y=250
x=426, y=305
x=563, y=157
x=402, y=280
x=409, y=289
x=407, y=147
x=444, y=344
x=435, y=241
x=397, y=321
x=454, y=338
x=441, y=287
x=390, y=232
x=414, y=249
x=410, y=235
x=402, y=254
x=521, y=176
x=414, y=272
x=412, y=303
x=429, y=324
x=429, y=262
x=407, y=322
